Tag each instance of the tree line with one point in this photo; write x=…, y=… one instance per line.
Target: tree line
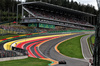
x=8, y=8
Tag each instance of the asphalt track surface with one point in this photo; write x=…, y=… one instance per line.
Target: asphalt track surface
x=31, y=47
x=85, y=48
x=49, y=51
x=1, y=45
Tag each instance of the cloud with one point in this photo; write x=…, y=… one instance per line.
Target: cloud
x=23, y=0
x=91, y=2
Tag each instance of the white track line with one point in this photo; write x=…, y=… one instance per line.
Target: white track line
x=88, y=49
x=82, y=48
x=70, y=57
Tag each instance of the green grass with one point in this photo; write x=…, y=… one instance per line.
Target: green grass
x=25, y=62
x=6, y=36
x=71, y=48
x=93, y=39
x=89, y=44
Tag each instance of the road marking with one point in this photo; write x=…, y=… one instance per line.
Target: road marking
x=53, y=61
x=56, y=49
x=1, y=40
x=82, y=48
x=9, y=38
x=42, y=43
x=40, y=37
x=37, y=52
x=47, y=40
x=62, y=42
x=22, y=35
x=88, y=46
x=29, y=50
x=89, y=51
x=7, y=46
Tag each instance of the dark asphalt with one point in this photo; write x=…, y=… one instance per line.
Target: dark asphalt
x=48, y=50
x=1, y=44
x=31, y=43
x=85, y=48
x=32, y=47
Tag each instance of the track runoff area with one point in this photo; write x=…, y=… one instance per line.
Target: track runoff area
x=32, y=45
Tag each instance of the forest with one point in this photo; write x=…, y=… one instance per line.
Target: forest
x=8, y=8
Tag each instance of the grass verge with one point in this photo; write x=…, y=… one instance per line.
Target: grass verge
x=89, y=44
x=71, y=48
x=25, y=62
x=6, y=36
x=93, y=39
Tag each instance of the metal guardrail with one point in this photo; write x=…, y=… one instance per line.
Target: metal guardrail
x=20, y=51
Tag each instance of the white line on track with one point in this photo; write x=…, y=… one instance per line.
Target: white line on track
x=67, y=56
x=82, y=48
x=41, y=52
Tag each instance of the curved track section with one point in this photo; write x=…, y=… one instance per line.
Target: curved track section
x=48, y=49
x=85, y=48
x=44, y=47
x=31, y=46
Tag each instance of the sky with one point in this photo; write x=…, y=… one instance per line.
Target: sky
x=91, y=2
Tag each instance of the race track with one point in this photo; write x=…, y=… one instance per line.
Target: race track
x=44, y=47
x=48, y=49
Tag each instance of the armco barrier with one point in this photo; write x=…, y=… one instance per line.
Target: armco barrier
x=13, y=58
x=19, y=51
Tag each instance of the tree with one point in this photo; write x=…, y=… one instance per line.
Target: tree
x=29, y=0
x=53, y=1
x=45, y=0
x=59, y=2
x=2, y=5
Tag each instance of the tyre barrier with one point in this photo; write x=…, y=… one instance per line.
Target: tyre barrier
x=19, y=51
x=4, y=54
x=62, y=62
x=14, y=53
